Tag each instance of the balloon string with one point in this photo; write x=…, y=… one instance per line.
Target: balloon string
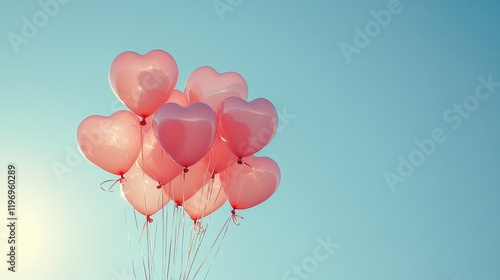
x=182, y=225
x=198, y=227
x=195, y=248
x=163, y=241
x=194, y=236
x=201, y=235
x=196, y=245
x=222, y=233
x=155, y=238
x=190, y=248
x=151, y=238
x=177, y=237
x=142, y=231
x=210, y=192
x=236, y=217
x=147, y=271
x=240, y=161
x=129, y=240
x=217, y=252
x=140, y=246
x=120, y=180
x=154, y=246
x=170, y=241
x=182, y=242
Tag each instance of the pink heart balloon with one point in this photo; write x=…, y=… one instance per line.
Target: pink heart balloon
x=247, y=186
x=206, y=201
x=246, y=127
x=176, y=97
x=143, y=82
x=112, y=143
x=220, y=156
x=208, y=86
x=141, y=193
x=186, y=134
x=185, y=185
x=155, y=162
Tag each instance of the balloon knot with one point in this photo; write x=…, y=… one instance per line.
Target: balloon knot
x=158, y=187
x=197, y=227
x=120, y=180
x=143, y=121
x=148, y=217
x=213, y=176
x=186, y=170
x=236, y=217
x=240, y=161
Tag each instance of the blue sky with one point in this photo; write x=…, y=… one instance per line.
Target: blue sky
x=345, y=121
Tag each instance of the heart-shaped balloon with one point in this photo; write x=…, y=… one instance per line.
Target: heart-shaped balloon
x=143, y=82
x=112, y=143
x=186, y=134
x=246, y=127
x=185, y=185
x=220, y=156
x=206, y=201
x=249, y=185
x=208, y=86
x=176, y=97
x=141, y=193
x=155, y=162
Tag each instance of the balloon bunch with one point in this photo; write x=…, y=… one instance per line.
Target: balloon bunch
x=195, y=148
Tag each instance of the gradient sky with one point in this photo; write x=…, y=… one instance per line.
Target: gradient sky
x=348, y=123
